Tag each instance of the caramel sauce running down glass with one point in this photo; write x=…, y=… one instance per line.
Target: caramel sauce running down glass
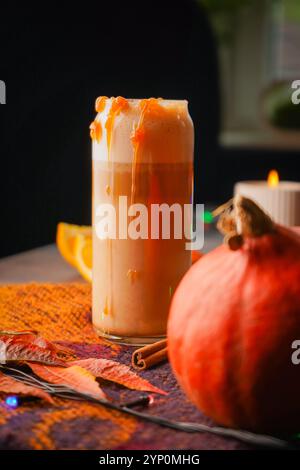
x=142, y=149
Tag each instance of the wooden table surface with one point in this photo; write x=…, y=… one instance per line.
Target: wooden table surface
x=45, y=264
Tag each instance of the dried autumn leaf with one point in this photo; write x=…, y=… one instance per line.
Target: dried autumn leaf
x=31, y=346
x=73, y=377
x=61, y=351
x=116, y=372
x=10, y=385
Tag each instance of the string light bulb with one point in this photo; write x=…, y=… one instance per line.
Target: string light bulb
x=12, y=401
x=207, y=217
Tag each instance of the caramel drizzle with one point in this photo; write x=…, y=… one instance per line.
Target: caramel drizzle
x=95, y=127
x=100, y=103
x=132, y=275
x=118, y=104
x=96, y=131
x=138, y=136
x=105, y=310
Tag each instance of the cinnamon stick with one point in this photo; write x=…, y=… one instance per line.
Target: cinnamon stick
x=150, y=355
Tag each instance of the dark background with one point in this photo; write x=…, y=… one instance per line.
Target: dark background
x=55, y=63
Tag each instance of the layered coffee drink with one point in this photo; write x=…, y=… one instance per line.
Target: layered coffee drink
x=142, y=170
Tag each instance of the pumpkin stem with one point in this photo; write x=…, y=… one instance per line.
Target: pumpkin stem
x=243, y=218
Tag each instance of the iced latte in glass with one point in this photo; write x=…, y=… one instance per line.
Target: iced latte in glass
x=142, y=157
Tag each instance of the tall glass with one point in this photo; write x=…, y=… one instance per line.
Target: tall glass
x=142, y=154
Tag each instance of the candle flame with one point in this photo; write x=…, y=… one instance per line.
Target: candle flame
x=273, y=178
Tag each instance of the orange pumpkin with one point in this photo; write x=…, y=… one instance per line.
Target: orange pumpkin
x=233, y=320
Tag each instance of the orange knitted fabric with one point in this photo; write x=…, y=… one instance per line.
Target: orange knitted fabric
x=60, y=312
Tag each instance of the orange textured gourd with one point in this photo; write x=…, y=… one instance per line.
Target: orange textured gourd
x=233, y=320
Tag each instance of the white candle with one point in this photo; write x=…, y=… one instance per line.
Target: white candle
x=280, y=199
